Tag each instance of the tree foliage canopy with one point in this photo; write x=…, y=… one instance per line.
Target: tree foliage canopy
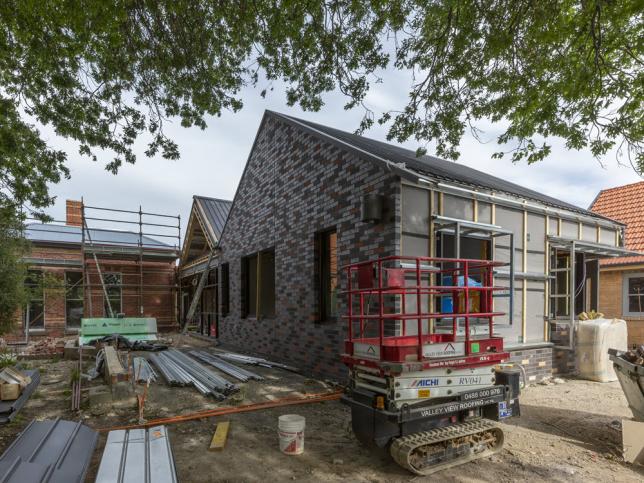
x=105, y=73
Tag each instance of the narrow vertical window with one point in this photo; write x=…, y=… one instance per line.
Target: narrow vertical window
x=73, y=299
x=225, y=290
x=635, y=295
x=113, y=287
x=34, y=316
x=258, y=284
x=328, y=274
x=267, y=284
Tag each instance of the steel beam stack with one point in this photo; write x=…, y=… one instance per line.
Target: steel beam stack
x=142, y=370
x=226, y=367
x=179, y=369
x=254, y=361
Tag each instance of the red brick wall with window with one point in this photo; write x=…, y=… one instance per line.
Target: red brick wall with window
x=158, y=302
x=611, y=302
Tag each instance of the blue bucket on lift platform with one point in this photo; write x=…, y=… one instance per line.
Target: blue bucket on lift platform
x=447, y=303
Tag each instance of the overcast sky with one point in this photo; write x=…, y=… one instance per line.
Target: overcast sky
x=212, y=160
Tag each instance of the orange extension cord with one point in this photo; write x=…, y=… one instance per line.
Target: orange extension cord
x=287, y=401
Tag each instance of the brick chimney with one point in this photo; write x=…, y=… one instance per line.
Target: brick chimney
x=74, y=216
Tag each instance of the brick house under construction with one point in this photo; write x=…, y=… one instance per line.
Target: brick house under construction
x=139, y=274
x=622, y=278
x=313, y=198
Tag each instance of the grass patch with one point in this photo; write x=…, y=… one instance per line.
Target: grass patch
x=17, y=420
x=7, y=358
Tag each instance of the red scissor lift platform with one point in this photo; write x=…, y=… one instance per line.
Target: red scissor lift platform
x=415, y=313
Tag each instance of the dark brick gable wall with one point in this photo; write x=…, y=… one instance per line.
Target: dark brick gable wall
x=296, y=185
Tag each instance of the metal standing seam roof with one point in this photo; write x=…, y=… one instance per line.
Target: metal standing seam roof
x=137, y=456
x=216, y=212
x=43, y=232
x=52, y=451
x=433, y=166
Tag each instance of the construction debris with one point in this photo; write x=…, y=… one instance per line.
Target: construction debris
x=142, y=371
x=219, y=438
x=137, y=455
x=226, y=367
x=48, y=346
x=55, y=451
x=120, y=341
x=629, y=367
x=254, y=361
x=180, y=370
x=9, y=409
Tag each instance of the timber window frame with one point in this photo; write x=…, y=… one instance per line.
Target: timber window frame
x=258, y=285
x=633, y=291
x=327, y=281
x=559, y=287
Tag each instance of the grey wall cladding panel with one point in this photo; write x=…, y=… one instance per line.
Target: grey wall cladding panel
x=56, y=451
x=137, y=455
x=415, y=210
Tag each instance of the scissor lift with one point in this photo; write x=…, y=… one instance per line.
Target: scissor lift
x=425, y=380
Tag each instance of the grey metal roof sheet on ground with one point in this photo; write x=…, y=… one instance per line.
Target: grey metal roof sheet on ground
x=44, y=232
x=53, y=451
x=216, y=211
x=433, y=166
x=137, y=456
x=9, y=409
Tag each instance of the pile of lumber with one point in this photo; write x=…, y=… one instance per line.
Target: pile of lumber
x=16, y=387
x=12, y=383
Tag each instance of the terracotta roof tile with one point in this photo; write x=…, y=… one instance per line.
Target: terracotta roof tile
x=625, y=204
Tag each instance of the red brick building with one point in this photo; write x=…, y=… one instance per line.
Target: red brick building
x=622, y=278
x=138, y=271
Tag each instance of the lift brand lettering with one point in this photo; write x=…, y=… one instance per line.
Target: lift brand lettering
x=470, y=380
x=424, y=382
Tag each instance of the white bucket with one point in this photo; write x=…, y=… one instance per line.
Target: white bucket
x=291, y=433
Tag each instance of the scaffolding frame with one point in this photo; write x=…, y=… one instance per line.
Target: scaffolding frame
x=101, y=245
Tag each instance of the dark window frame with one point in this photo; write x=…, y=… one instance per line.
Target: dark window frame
x=252, y=288
x=224, y=277
x=75, y=299
x=39, y=287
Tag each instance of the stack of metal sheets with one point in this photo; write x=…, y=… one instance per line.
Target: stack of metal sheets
x=179, y=369
x=226, y=367
x=254, y=361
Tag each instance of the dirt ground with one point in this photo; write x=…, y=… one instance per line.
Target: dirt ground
x=567, y=432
